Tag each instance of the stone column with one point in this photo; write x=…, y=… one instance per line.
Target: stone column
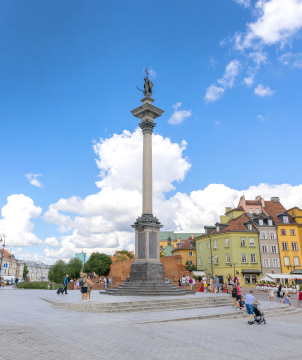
x=147, y=266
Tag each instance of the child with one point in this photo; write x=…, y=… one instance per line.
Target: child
x=286, y=299
x=271, y=295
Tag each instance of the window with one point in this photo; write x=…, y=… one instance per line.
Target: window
x=209, y=260
x=283, y=232
x=199, y=246
x=252, y=242
x=296, y=261
x=247, y=279
x=199, y=260
x=260, y=222
x=285, y=219
x=191, y=263
x=294, y=246
x=272, y=235
x=250, y=226
x=243, y=258
x=275, y=262
x=208, y=245
x=215, y=244
x=242, y=241
x=251, y=211
x=190, y=253
x=264, y=248
x=293, y=213
x=253, y=258
x=284, y=246
x=254, y=279
x=262, y=235
x=216, y=259
x=270, y=222
x=292, y=231
x=226, y=242
x=257, y=211
x=228, y=258
x=286, y=261
x=274, y=249
x=217, y=228
x=265, y=262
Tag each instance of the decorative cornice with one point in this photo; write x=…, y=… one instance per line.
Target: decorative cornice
x=146, y=220
x=147, y=126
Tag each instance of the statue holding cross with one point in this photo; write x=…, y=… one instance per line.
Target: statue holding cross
x=147, y=86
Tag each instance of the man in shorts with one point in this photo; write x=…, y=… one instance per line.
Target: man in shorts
x=249, y=306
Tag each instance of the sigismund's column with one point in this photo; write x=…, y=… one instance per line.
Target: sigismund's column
x=147, y=266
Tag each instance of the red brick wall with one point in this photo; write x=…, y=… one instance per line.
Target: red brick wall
x=174, y=269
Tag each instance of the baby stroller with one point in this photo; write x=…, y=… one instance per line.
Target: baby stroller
x=258, y=315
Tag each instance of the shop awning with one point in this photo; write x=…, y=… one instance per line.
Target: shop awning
x=198, y=273
x=265, y=278
x=251, y=271
x=279, y=276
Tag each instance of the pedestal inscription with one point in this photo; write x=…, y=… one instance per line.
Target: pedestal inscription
x=141, y=244
x=153, y=245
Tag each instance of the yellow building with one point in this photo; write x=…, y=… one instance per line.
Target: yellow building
x=289, y=236
x=169, y=241
x=187, y=250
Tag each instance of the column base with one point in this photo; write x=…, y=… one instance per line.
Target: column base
x=147, y=272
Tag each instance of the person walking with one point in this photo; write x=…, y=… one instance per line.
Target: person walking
x=187, y=281
x=280, y=294
x=191, y=283
x=234, y=294
x=238, y=296
x=84, y=288
x=271, y=295
x=16, y=282
x=249, y=298
x=89, y=287
x=106, y=283
x=183, y=281
x=300, y=297
x=216, y=284
x=65, y=283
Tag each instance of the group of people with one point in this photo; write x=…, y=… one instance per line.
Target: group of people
x=187, y=282
x=282, y=297
x=84, y=284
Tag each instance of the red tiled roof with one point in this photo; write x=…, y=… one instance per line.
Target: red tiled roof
x=187, y=245
x=274, y=208
x=253, y=202
x=5, y=254
x=236, y=209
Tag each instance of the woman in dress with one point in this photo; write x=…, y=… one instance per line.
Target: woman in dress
x=84, y=288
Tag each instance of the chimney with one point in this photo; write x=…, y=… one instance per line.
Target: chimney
x=275, y=199
x=192, y=236
x=258, y=198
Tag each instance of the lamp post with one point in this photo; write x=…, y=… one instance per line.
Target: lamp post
x=234, y=264
x=2, y=239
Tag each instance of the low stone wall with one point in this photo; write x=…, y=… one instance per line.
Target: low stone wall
x=174, y=269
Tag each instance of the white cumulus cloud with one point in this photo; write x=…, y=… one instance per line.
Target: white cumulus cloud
x=245, y=3
x=179, y=115
x=33, y=179
x=52, y=241
x=262, y=91
x=16, y=221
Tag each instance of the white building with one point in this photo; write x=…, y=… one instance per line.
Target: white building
x=37, y=271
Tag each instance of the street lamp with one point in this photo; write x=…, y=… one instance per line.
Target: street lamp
x=2, y=239
x=234, y=264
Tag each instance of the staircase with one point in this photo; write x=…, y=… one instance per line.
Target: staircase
x=143, y=288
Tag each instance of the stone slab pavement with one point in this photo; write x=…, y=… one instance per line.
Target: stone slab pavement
x=31, y=328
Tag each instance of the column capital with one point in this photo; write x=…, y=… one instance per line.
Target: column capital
x=147, y=126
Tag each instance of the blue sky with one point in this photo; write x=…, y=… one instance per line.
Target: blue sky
x=69, y=72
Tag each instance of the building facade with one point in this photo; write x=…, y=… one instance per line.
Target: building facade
x=37, y=271
x=230, y=249
x=187, y=251
x=10, y=265
x=170, y=239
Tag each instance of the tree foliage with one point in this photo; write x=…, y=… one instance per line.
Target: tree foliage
x=189, y=267
x=125, y=252
x=57, y=272
x=98, y=263
x=25, y=271
x=74, y=268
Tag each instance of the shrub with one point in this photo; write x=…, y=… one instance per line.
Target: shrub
x=41, y=285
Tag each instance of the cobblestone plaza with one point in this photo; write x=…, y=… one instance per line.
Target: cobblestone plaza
x=32, y=328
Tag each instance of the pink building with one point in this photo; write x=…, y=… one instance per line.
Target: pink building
x=253, y=206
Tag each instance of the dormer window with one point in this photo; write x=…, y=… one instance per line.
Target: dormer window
x=257, y=211
x=260, y=222
x=285, y=219
x=270, y=222
x=250, y=226
x=217, y=228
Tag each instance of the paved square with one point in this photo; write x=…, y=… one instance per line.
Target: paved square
x=32, y=329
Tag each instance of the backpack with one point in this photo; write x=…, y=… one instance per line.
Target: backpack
x=234, y=292
x=81, y=282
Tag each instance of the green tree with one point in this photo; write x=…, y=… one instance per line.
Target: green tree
x=98, y=263
x=74, y=268
x=57, y=272
x=25, y=271
x=189, y=267
x=125, y=252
